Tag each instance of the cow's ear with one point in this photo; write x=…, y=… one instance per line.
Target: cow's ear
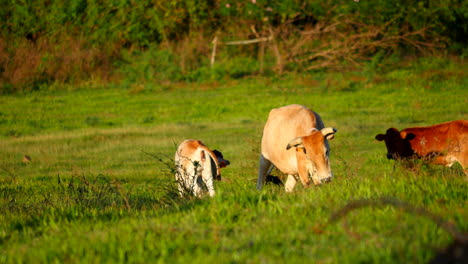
x=297, y=142
x=328, y=132
x=410, y=136
x=380, y=137
x=218, y=153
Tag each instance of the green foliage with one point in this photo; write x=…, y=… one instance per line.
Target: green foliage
x=149, y=65
x=163, y=65
x=42, y=42
x=443, y=18
x=144, y=22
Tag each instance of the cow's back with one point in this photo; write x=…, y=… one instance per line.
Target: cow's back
x=459, y=130
x=441, y=138
x=283, y=125
x=458, y=139
x=188, y=152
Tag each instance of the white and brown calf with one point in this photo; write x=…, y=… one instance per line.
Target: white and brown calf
x=197, y=167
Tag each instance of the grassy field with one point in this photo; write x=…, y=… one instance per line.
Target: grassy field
x=99, y=187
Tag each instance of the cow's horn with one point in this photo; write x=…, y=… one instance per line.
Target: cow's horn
x=297, y=142
x=328, y=132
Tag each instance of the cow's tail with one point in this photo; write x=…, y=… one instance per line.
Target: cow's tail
x=217, y=173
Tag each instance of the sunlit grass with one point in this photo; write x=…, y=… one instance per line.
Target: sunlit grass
x=100, y=186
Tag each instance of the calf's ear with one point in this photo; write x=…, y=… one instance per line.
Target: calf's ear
x=380, y=137
x=218, y=154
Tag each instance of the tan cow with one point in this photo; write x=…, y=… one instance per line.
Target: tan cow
x=196, y=168
x=295, y=141
x=442, y=144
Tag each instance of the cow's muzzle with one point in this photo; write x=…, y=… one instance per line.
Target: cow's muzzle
x=321, y=180
x=224, y=163
x=391, y=156
x=326, y=180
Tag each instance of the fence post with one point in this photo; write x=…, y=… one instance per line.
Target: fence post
x=213, y=52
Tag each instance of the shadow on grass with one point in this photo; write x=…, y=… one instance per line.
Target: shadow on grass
x=455, y=252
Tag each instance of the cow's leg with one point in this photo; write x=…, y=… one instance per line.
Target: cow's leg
x=178, y=175
x=196, y=182
x=449, y=160
x=180, y=184
x=463, y=160
x=209, y=185
x=182, y=179
x=208, y=175
x=264, y=168
x=445, y=160
x=196, y=186
x=290, y=183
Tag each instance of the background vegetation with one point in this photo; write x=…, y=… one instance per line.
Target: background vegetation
x=99, y=187
x=91, y=42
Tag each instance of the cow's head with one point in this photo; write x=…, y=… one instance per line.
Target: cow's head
x=398, y=143
x=316, y=149
x=221, y=162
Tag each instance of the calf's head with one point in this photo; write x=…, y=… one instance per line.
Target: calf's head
x=397, y=143
x=222, y=163
x=316, y=149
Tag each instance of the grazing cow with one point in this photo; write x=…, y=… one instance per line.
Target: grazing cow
x=296, y=142
x=442, y=144
x=196, y=168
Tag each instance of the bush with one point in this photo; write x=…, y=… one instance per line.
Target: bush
x=26, y=65
x=223, y=69
x=148, y=65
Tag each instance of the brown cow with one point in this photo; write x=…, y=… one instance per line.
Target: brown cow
x=295, y=141
x=442, y=144
x=196, y=167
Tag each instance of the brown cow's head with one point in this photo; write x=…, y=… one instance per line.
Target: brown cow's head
x=398, y=143
x=316, y=149
x=221, y=161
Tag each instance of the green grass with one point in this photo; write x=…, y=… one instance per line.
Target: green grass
x=93, y=194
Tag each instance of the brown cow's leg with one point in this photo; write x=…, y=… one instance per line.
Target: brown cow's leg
x=450, y=160
x=290, y=183
x=463, y=160
x=442, y=160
